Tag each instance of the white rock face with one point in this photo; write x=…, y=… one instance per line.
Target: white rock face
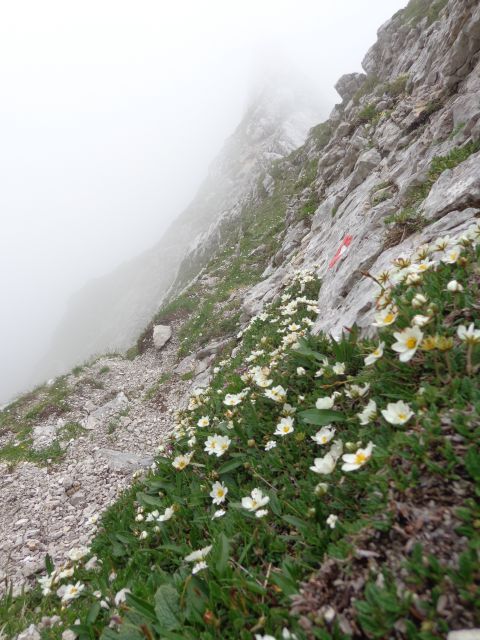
x=161, y=335
x=464, y=634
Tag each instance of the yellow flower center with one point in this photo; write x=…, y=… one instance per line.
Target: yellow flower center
x=220, y=493
x=411, y=343
x=389, y=318
x=402, y=416
x=360, y=458
x=182, y=464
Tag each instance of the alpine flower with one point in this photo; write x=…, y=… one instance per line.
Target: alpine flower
x=325, y=403
x=180, y=462
x=284, y=427
x=204, y=421
x=218, y=493
x=324, y=435
x=200, y=554
x=369, y=413
x=277, y=394
x=255, y=500
x=353, y=461
x=332, y=521
x=407, y=343
x=470, y=335
x=397, y=412
x=375, y=355
x=385, y=317
x=72, y=591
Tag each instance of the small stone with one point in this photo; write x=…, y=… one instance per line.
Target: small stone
x=161, y=335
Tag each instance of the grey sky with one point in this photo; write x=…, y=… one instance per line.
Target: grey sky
x=111, y=111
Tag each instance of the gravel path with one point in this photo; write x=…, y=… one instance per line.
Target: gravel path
x=53, y=508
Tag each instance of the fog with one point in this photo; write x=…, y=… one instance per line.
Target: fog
x=110, y=113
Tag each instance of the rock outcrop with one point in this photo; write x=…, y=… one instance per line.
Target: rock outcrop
x=404, y=145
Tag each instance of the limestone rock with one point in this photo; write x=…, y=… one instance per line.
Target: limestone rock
x=348, y=84
x=464, y=634
x=365, y=164
x=124, y=461
x=455, y=189
x=161, y=335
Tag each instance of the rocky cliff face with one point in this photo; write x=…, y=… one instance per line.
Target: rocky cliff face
x=110, y=312
x=399, y=162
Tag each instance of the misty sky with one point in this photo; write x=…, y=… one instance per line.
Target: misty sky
x=110, y=113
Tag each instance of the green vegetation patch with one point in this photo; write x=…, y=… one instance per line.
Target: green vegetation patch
x=417, y=10
x=318, y=488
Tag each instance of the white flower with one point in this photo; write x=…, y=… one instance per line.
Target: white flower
x=255, y=500
x=143, y=535
x=454, y=286
x=301, y=371
x=284, y=427
x=46, y=583
x=452, y=255
x=375, y=355
x=277, y=394
x=232, y=399
x=407, y=343
x=419, y=300
x=470, y=335
x=77, y=553
x=260, y=513
x=420, y=320
x=271, y=444
x=217, y=445
x=325, y=465
x=200, y=554
x=397, y=412
x=199, y=566
x=325, y=403
x=265, y=637
x=356, y=391
x=218, y=493
x=72, y=591
x=204, y=421
x=180, y=462
x=288, y=635
x=218, y=513
x=353, y=461
x=121, y=596
x=332, y=521
x=369, y=413
x=385, y=317
x=325, y=434
x=65, y=573
x=166, y=515
x=339, y=368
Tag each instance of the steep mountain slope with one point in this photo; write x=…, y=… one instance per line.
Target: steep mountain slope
x=109, y=312
x=371, y=230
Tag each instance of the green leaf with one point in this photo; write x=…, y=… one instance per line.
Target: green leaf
x=143, y=607
x=231, y=465
x=150, y=501
x=93, y=612
x=321, y=417
x=223, y=555
x=301, y=525
x=288, y=587
x=49, y=564
x=167, y=607
x=472, y=463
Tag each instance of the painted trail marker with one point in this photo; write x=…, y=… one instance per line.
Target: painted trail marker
x=341, y=251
